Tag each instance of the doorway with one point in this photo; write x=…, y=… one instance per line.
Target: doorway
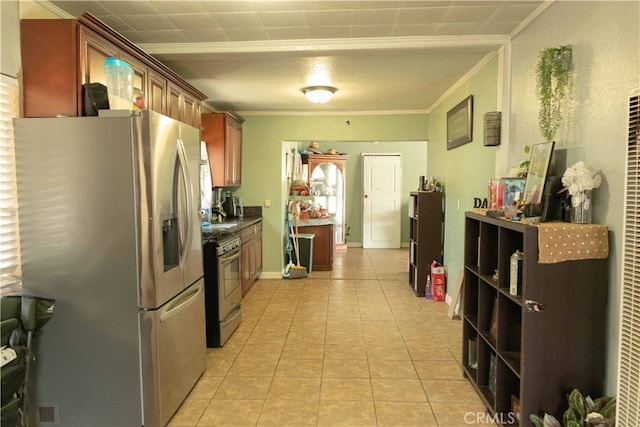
x=382, y=199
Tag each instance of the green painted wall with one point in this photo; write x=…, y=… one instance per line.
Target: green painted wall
x=464, y=169
x=605, y=36
x=262, y=162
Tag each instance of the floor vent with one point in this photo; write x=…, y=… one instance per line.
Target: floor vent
x=47, y=414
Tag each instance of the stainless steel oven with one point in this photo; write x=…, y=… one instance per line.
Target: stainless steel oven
x=223, y=290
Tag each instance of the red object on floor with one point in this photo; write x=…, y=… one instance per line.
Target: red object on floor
x=438, y=280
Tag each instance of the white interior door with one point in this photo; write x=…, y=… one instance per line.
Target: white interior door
x=382, y=182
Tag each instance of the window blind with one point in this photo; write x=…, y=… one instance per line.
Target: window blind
x=9, y=236
x=628, y=404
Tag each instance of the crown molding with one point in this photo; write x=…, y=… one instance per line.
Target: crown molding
x=318, y=45
x=53, y=9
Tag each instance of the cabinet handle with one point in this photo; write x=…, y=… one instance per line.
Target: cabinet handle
x=533, y=306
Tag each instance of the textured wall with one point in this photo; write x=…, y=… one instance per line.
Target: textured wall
x=465, y=169
x=262, y=173
x=606, y=50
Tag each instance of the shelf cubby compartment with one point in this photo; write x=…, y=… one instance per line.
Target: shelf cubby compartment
x=470, y=350
x=470, y=291
x=488, y=309
x=509, y=332
x=472, y=240
x=486, y=378
x=488, y=249
x=508, y=385
x=413, y=261
x=510, y=242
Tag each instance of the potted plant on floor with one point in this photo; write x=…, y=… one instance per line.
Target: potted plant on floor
x=582, y=412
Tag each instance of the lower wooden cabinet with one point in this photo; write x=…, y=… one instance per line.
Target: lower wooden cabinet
x=250, y=255
x=323, y=245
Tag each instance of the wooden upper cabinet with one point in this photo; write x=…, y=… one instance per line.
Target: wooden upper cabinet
x=175, y=102
x=94, y=49
x=233, y=155
x=72, y=52
x=140, y=75
x=190, y=110
x=157, y=94
x=45, y=52
x=222, y=132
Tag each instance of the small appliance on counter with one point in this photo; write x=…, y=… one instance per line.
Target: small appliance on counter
x=233, y=207
x=217, y=205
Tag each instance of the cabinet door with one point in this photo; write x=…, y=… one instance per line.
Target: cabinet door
x=213, y=136
x=157, y=96
x=94, y=49
x=50, y=44
x=233, y=152
x=324, y=172
x=175, y=102
x=140, y=74
x=189, y=111
x=223, y=137
x=257, y=254
x=245, y=267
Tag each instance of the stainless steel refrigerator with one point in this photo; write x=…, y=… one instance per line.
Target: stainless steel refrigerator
x=110, y=229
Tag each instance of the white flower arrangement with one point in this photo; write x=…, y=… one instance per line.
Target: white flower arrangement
x=579, y=178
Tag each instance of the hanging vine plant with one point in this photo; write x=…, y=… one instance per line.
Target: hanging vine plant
x=554, y=72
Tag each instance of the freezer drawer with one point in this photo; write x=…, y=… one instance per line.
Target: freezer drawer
x=173, y=353
x=229, y=325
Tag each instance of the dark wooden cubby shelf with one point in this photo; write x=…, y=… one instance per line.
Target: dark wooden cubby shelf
x=426, y=236
x=540, y=355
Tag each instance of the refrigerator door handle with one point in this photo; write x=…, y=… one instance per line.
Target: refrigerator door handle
x=186, y=208
x=176, y=306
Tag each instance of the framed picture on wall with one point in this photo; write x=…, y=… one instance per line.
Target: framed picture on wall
x=537, y=175
x=460, y=123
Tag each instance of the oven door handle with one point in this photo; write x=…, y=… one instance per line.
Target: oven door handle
x=230, y=256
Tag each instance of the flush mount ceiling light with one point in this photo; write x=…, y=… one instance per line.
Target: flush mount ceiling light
x=319, y=94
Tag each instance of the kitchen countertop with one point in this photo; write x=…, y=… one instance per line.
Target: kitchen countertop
x=315, y=221
x=233, y=225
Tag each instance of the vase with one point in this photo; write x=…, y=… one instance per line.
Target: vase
x=581, y=212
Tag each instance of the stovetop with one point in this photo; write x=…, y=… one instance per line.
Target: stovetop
x=224, y=242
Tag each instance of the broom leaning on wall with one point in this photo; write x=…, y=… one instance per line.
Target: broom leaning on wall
x=294, y=271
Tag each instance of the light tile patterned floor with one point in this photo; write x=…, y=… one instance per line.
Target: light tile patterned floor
x=351, y=347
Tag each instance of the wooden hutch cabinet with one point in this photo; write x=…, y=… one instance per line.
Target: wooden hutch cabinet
x=222, y=132
x=426, y=236
x=328, y=174
x=72, y=52
x=536, y=345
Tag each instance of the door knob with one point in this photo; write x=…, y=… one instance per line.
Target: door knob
x=366, y=195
